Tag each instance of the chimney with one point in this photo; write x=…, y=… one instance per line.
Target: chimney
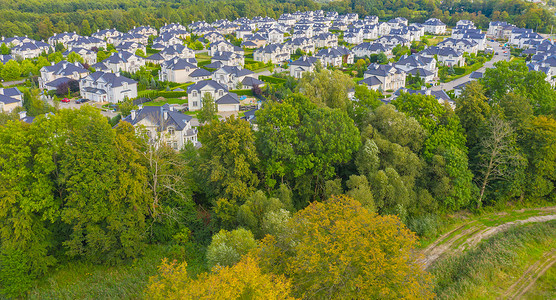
x=427, y=92
x=133, y=114
x=22, y=115
x=165, y=115
x=117, y=74
x=52, y=63
x=1, y=91
x=140, y=106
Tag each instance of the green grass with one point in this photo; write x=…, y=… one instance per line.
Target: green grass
x=545, y=287
x=168, y=100
x=83, y=280
x=488, y=270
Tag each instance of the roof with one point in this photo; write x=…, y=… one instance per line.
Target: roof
x=55, y=83
x=200, y=72
x=210, y=83
x=8, y=100
x=305, y=61
x=155, y=114
x=250, y=81
x=228, y=98
x=370, y=81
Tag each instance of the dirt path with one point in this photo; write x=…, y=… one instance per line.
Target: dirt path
x=531, y=275
x=470, y=234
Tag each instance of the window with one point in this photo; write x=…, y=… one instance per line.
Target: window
x=195, y=94
x=171, y=130
x=221, y=93
x=175, y=145
x=195, y=103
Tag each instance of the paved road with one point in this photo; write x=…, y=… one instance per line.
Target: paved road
x=73, y=105
x=489, y=64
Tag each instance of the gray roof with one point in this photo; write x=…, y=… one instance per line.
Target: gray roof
x=229, y=98
x=155, y=114
x=201, y=84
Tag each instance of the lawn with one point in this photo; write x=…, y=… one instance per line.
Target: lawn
x=168, y=100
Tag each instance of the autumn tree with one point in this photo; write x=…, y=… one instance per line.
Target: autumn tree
x=326, y=88
x=339, y=249
x=244, y=280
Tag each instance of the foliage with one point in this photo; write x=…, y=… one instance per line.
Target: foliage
x=244, y=280
x=227, y=247
x=208, y=110
x=338, y=249
x=326, y=88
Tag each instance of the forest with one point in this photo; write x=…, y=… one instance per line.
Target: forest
x=41, y=19
x=325, y=196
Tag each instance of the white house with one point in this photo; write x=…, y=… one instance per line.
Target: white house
x=435, y=26
x=197, y=91
x=231, y=77
x=176, y=70
x=390, y=77
x=163, y=124
x=335, y=56
x=124, y=61
x=302, y=65
x=10, y=99
x=275, y=53
x=107, y=87
x=54, y=75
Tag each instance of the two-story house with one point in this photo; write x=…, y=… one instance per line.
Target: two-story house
x=107, y=87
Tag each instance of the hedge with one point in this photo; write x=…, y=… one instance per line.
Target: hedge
x=271, y=79
x=165, y=94
x=243, y=92
x=459, y=71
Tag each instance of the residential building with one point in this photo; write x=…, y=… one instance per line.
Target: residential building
x=107, y=87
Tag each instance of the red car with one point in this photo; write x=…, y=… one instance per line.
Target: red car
x=65, y=100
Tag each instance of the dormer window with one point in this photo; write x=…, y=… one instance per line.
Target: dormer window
x=221, y=93
x=194, y=93
x=171, y=130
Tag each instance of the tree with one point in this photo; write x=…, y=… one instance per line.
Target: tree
x=326, y=88
x=473, y=110
x=382, y=58
x=244, y=280
x=498, y=154
x=228, y=159
x=126, y=106
x=255, y=209
x=45, y=28
x=11, y=70
x=140, y=53
x=5, y=50
x=208, y=111
x=339, y=249
x=74, y=57
x=540, y=141
x=227, y=247
x=365, y=101
x=85, y=28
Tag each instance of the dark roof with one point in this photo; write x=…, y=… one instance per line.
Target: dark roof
x=200, y=73
x=155, y=114
x=201, y=84
x=370, y=81
x=250, y=81
x=229, y=98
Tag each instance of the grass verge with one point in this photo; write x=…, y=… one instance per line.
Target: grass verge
x=488, y=270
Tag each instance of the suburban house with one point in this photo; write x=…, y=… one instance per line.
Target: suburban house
x=275, y=53
x=223, y=46
x=335, y=56
x=434, y=26
x=89, y=56
x=391, y=78
x=128, y=37
x=368, y=49
x=167, y=39
x=131, y=47
x=243, y=31
x=10, y=99
x=144, y=31
x=231, y=77
x=30, y=50
x=229, y=58
x=62, y=38
x=162, y=123
x=325, y=40
x=228, y=102
x=54, y=75
x=393, y=40
x=107, y=87
x=107, y=34
x=303, y=44
x=416, y=61
x=199, y=75
x=86, y=43
x=462, y=45
x=446, y=56
x=302, y=65
x=124, y=61
x=176, y=70
x=177, y=50
x=196, y=92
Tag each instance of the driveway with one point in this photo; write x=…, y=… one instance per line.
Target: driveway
x=489, y=64
x=73, y=105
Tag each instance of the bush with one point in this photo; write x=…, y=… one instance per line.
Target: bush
x=459, y=70
x=424, y=226
x=271, y=79
x=227, y=247
x=15, y=273
x=243, y=92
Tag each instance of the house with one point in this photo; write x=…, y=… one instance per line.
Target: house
x=275, y=53
x=368, y=49
x=223, y=46
x=128, y=37
x=446, y=56
x=213, y=37
x=478, y=38
x=176, y=70
x=325, y=40
x=250, y=82
x=124, y=61
x=231, y=77
x=370, y=32
x=107, y=87
x=228, y=102
x=200, y=74
x=392, y=41
x=302, y=65
x=229, y=58
x=89, y=56
x=197, y=91
x=402, y=32
x=167, y=40
x=131, y=47
x=465, y=23
x=30, y=50
x=372, y=83
x=162, y=123
x=177, y=51
x=391, y=77
x=8, y=104
x=54, y=75
x=86, y=43
x=495, y=28
x=5, y=58
x=16, y=41
x=335, y=56
x=303, y=44
x=425, y=74
x=462, y=45
x=256, y=38
x=107, y=34
x=172, y=27
x=242, y=31
x=144, y=31
x=156, y=59
x=62, y=38
x=397, y=22
x=415, y=61
x=435, y=26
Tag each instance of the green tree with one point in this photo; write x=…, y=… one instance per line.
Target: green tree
x=382, y=58
x=473, y=110
x=208, y=111
x=85, y=28
x=228, y=159
x=326, y=88
x=11, y=70
x=5, y=50
x=74, y=57
x=227, y=247
x=255, y=209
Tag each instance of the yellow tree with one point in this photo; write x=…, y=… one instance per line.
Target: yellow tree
x=244, y=280
x=339, y=249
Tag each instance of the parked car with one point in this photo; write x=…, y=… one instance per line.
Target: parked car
x=65, y=100
x=82, y=100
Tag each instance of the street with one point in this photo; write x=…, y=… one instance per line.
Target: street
x=489, y=64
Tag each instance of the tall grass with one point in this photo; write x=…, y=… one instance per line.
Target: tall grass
x=494, y=264
x=83, y=280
